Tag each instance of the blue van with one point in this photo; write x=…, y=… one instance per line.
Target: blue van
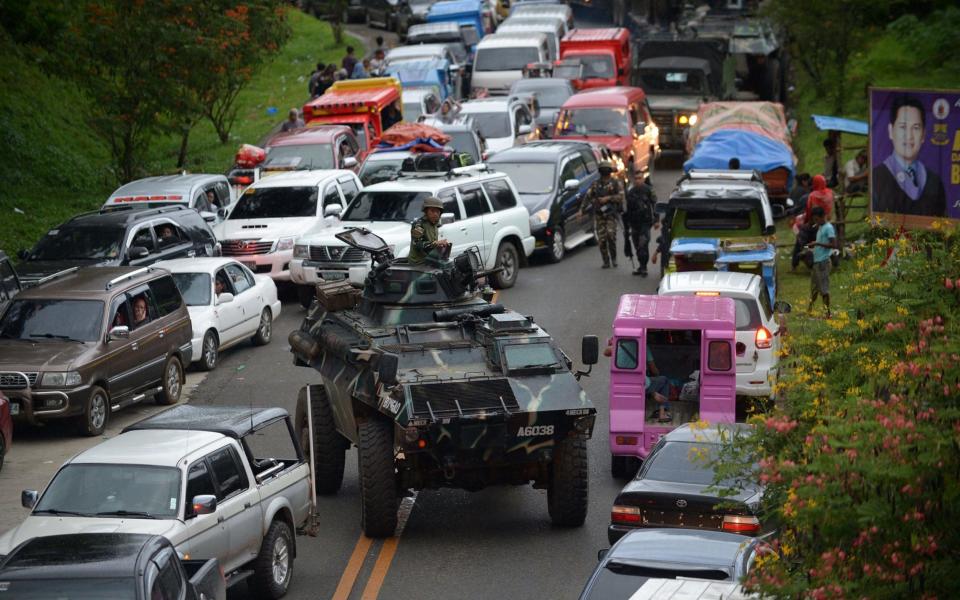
x=463, y=13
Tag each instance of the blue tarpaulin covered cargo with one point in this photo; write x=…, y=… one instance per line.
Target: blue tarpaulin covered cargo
x=755, y=151
x=422, y=74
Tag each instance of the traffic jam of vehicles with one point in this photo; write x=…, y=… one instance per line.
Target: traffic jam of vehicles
x=395, y=216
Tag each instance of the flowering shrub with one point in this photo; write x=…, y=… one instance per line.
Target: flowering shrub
x=861, y=454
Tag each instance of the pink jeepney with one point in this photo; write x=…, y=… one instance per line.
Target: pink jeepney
x=691, y=340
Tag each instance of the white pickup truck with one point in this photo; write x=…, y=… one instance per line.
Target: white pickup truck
x=218, y=482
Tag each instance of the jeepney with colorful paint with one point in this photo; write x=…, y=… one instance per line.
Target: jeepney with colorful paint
x=358, y=103
x=437, y=387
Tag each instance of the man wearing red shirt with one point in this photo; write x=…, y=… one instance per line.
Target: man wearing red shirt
x=821, y=196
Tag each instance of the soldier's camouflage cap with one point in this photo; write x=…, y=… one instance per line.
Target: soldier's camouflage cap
x=432, y=202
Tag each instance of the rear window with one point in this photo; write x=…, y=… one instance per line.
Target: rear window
x=276, y=203
x=682, y=462
x=166, y=294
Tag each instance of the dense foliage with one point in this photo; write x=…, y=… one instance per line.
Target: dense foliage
x=861, y=456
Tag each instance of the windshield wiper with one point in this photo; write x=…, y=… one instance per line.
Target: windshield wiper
x=125, y=513
x=53, y=336
x=56, y=511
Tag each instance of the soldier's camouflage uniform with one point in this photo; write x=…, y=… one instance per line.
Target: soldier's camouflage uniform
x=423, y=240
x=605, y=215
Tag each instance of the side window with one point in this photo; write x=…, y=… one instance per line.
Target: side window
x=222, y=191
x=500, y=194
x=523, y=117
x=765, y=302
x=166, y=294
x=331, y=195
x=8, y=279
x=567, y=172
x=348, y=186
x=199, y=483
x=221, y=283
x=579, y=169
x=142, y=307
x=239, y=279
x=226, y=470
x=168, y=584
x=718, y=356
x=450, y=204
x=474, y=202
x=635, y=116
x=169, y=234
x=144, y=237
x=119, y=312
x=590, y=160
x=628, y=354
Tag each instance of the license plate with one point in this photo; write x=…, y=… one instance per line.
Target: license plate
x=332, y=275
x=250, y=265
x=14, y=408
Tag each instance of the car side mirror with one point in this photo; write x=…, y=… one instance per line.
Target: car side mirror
x=208, y=216
x=447, y=218
x=590, y=349
x=524, y=130
x=571, y=185
x=349, y=162
x=135, y=252
x=387, y=368
x=222, y=213
x=781, y=306
x=639, y=127
x=23, y=254
x=332, y=210
x=224, y=298
x=28, y=498
x=204, y=504
x=601, y=554
x=120, y=332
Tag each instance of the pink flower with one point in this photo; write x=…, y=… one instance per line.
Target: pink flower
x=948, y=283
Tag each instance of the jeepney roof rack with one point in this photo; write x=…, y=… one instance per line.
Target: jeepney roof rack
x=128, y=276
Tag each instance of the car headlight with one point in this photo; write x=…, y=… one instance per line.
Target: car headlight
x=285, y=243
x=59, y=380
x=300, y=251
x=693, y=119
x=539, y=218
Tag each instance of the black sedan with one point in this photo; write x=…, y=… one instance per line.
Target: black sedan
x=672, y=488
x=645, y=557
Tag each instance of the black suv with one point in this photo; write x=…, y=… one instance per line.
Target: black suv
x=9, y=282
x=119, y=238
x=552, y=178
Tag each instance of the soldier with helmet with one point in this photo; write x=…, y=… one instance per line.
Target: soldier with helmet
x=606, y=197
x=425, y=240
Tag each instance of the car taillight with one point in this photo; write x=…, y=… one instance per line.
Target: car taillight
x=741, y=524
x=626, y=440
x=625, y=515
x=764, y=339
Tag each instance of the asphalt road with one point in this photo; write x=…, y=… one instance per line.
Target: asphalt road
x=496, y=543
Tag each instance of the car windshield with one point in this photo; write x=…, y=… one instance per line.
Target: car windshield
x=300, y=157
x=54, y=319
x=276, y=203
x=79, y=243
x=530, y=178
x=375, y=171
x=464, y=141
x=526, y=356
x=594, y=121
x=676, y=82
x=598, y=66
x=94, y=588
x=104, y=490
x=386, y=206
x=552, y=96
x=683, y=462
x=505, y=59
x=492, y=125
x=194, y=287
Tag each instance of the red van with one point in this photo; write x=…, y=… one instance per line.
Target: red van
x=604, y=54
x=617, y=117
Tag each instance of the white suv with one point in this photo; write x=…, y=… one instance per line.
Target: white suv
x=261, y=226
x=759, y=322
x=480, y=210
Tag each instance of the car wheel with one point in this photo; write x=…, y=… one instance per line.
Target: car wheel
x=209, y=351
x=265, y=329
x=567, y=489
x=509, y=262
x=306, y=294
x=329, y=447
x=273, y=567
x=96, y=411
x=378, y=489
x=172, y=382
x=557, y=249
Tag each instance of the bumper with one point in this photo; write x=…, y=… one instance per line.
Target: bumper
x=275, y=264
x=37, y=405
x=196, y=350
x=529, y=243
x=758, y=383
x=308, y=272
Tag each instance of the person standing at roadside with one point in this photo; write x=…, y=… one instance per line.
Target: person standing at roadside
x=349, y=61
x=314, y=79
x=822, y=247
x=606, y=198
x=821, y=197
x=640, y=215
x=293, y=121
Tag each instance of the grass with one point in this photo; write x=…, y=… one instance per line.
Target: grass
x=56, y=167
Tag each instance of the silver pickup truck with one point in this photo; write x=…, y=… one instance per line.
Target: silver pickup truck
x=218, y=482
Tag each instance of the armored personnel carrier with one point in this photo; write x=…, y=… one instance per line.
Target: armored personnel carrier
x=437, y=387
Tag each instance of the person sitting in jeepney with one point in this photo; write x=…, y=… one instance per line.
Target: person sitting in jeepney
x=391, y=115
x=657, y=388
x=449, y=109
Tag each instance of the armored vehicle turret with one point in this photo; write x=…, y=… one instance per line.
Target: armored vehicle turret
x=437, y=387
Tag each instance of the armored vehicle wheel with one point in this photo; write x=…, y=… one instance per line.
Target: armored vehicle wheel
x=306, y=294
x=96, y=411
x=264, y=329
x=567, y=491
x=273, y=567
x=378, y=490
x=329, y=447
x=509, y=261
x=172, y=382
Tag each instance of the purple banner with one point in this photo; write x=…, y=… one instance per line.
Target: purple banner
x=915, y=152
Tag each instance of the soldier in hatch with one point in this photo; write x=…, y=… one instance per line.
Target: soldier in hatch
x=606, y=197
x=425, y=240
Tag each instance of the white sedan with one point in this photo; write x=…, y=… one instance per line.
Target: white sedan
x=227, y=303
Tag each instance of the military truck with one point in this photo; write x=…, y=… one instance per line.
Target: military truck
x=437, y=387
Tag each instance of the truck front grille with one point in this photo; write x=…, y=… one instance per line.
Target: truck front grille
x=244, y=247
x=10, y=380
x=463, y=397
x=337, y=254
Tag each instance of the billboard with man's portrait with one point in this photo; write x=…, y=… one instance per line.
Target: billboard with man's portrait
x=914, y=156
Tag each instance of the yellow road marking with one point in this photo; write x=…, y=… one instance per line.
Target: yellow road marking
x=372, y=590
x=349, y=576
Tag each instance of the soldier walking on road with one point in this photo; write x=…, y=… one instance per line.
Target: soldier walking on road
x=640, y=216
x=425, y=240
x=606, y=198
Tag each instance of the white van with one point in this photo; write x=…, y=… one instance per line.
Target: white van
x=501, y=58
x=169, y=190
x=540, y=9
x=552, y=27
